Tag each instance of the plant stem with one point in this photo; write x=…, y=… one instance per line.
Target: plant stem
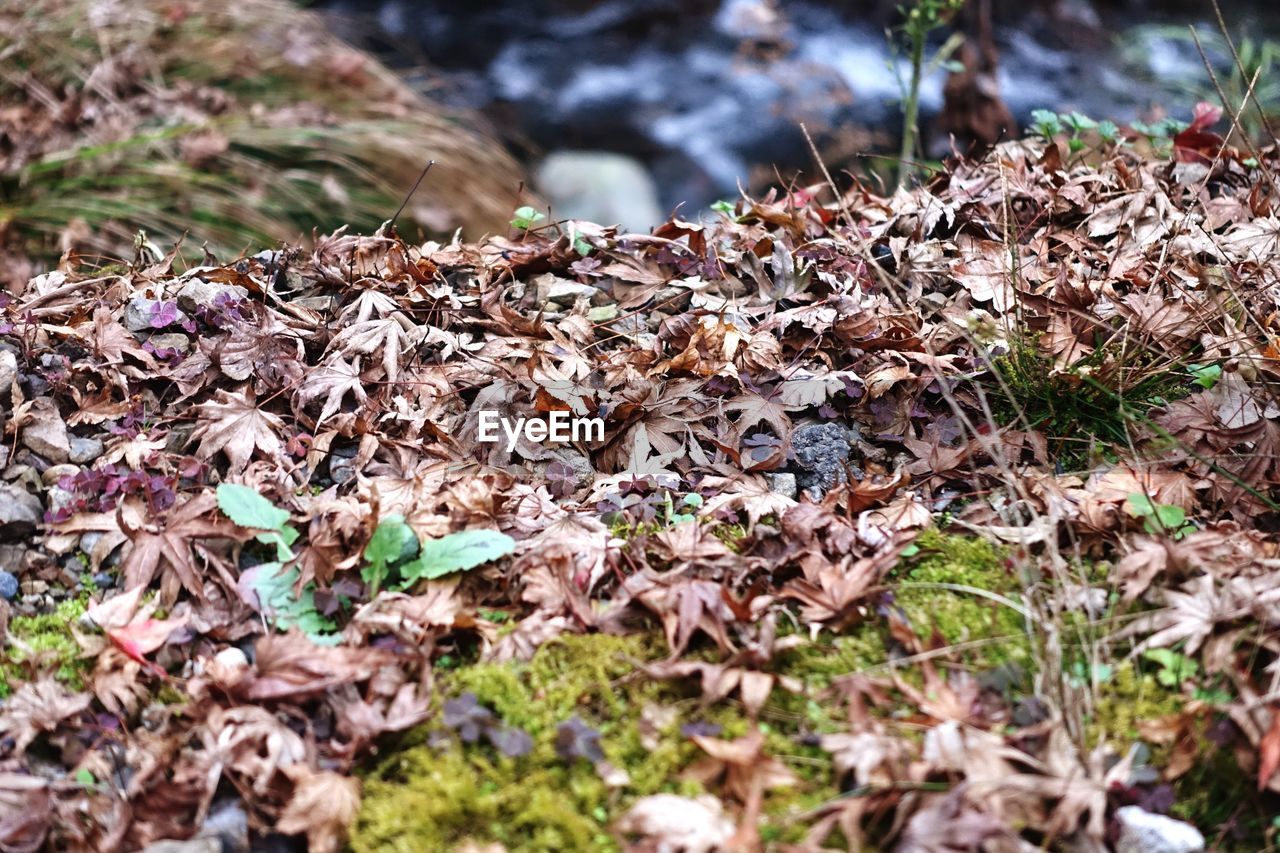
x=911, y=113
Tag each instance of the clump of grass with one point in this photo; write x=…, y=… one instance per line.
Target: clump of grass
x=242, y=124
x=1088, y=408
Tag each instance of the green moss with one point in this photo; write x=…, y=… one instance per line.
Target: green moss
x=731, y=535
x=435, y=798
x=1128, y=697
x=947, y=562
x=1214, y=793
x=45, y=641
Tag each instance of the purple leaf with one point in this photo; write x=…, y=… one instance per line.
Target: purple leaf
x=576, y=739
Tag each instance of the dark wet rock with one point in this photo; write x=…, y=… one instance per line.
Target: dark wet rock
x=821, y=455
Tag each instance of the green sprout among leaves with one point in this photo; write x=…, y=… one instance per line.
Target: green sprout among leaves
x=1160, y=519
x=275, y=585
x=525, y=217
x=395, y=554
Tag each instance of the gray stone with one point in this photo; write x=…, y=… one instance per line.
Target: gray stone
x=57, y=498
x=1144, y=832
x=341, y=469
x=197, y=292
x=821, y=453
x=137, y=314
x=89, y=540
x=44, y=433
x=599, y=186
x=228, y=823
x=20, y=512
x=563, y=291
x=8, y=585
x=782, y=482
x=35, y=587
x=584, y=474
x=84, y=450
x=314, y=303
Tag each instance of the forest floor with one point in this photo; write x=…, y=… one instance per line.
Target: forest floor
x=939, y=521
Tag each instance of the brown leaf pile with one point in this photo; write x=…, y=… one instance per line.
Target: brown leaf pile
x=346, y=384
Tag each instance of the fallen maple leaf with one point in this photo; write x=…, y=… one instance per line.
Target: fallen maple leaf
x=233, y=424
x=323, y=805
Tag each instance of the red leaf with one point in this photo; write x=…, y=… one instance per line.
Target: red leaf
x=140, y=638
x=1269, y=751
x=1198, y=144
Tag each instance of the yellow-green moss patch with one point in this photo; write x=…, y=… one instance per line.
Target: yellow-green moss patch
x=436, y=797
x=44, y=641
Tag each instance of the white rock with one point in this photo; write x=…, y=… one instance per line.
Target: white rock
x=8, y=375
x=598, y=186
x=232, y=658
x=1144, y=832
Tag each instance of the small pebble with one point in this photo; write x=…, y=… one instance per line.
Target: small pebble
x=34, y=587
x=232, y=658
x=104, y=580
x=8, y=585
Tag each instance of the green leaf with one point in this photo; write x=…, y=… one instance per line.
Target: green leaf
x=247, y=508
x=723, y=206
x=1046, y=123
x=1141, y=505
x=282, y=607
x=1079, y=122
x=457, y=552
x=85, y=777
x=1206, y=375
x=1174, y=668
x=1171, y=517
x=391, y=543
x=525, y=217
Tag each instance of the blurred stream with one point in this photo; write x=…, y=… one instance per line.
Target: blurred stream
x=706, y=94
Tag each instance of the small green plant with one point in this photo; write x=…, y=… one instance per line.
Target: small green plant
x=1077, y=127
x=272, y=582
x=395, y=554
x=1205, y=375
x=525, y=217
x=1158, y=519
x=919, y=21
x=249, y=509
x=1174, y=669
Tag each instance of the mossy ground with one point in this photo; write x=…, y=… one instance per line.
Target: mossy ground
x=44, y=643
x=433, y=793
